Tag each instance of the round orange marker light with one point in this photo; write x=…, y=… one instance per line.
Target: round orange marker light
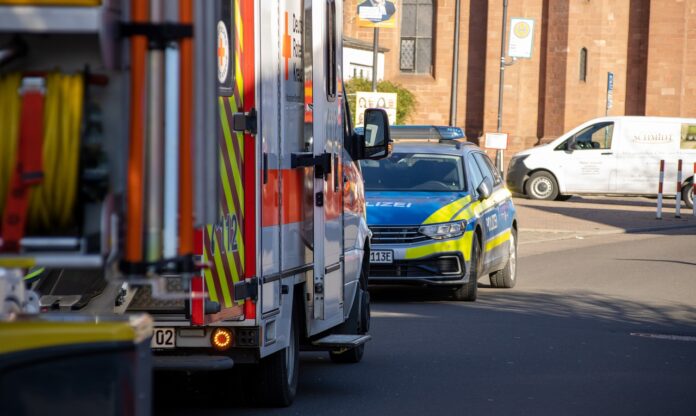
x=221, y=339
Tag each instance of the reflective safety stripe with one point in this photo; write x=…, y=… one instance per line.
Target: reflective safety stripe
x=448, y=212
x=462, y=245
x=497, y=240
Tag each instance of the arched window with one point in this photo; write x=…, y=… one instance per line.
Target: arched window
x=583, y=64
x=417, y=36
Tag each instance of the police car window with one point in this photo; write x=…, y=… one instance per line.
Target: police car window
x=474, y=171
x=485, y=169
x=488, y=169
x=414, y=172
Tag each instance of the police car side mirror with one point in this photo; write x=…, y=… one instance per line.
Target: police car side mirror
x=375, y=143
x=484, y=191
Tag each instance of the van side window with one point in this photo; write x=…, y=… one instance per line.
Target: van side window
x=331, y=74
x=596, y=136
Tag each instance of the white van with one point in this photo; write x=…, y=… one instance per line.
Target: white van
x=609, y=155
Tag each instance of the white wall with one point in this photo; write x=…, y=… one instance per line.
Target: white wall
x=355, y=60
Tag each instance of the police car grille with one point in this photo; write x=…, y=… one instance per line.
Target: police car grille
x=397, y=235
x=445, y=266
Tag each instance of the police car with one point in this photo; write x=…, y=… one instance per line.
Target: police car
x=439, y=213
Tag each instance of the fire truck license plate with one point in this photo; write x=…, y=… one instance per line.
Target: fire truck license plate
x=382, y=256
x=163, y=338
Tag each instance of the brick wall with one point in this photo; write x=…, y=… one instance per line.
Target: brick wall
x=645, y=43
x=671, y=75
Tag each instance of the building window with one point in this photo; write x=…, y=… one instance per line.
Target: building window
x=417, y=36
x=583, y=64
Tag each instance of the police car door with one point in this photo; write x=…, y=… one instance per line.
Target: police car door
x=489, y=220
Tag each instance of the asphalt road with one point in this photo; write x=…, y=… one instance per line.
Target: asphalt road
x=603, y=325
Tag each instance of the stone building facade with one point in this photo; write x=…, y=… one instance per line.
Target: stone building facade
x=649, y=46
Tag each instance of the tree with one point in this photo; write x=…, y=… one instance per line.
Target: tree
x=405, y=100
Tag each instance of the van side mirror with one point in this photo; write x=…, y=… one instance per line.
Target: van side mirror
x=376, y=142
x=484, y=191
x=570, y=144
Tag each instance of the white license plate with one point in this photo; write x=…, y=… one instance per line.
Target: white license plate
x=163, y=338
x=382, y=256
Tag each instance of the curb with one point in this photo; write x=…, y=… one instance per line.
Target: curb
x=577, y=233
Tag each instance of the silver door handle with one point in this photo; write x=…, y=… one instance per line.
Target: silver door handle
x=608, y=153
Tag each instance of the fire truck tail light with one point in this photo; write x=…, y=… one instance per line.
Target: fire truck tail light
x=222, y=339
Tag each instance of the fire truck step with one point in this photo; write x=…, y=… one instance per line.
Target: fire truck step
x=341, y=341
x=188, y=362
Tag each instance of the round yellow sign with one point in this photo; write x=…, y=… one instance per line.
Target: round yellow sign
x=521, y=29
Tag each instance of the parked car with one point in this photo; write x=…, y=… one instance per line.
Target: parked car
x=439, y=213
x=609, y=155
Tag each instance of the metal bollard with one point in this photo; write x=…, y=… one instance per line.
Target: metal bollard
x=677, y=199
x=659, y=190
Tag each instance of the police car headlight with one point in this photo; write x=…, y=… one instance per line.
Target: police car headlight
x=444, y=230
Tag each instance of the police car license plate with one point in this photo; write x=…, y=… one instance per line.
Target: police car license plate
x=381, y=256
x=163, y=338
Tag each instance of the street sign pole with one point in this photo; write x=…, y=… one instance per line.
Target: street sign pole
x=499, y=153
x=375, y=58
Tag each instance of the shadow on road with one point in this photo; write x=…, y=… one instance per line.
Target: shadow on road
x=500, y=343
x=631, y=221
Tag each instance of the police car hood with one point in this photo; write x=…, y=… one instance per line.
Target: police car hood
x=406, y=208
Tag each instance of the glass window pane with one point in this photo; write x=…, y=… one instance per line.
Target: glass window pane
x=414, y=172
x=474, y=172
x=423, y=55
x=408, y=54
x=408, y=21
x=425, y=21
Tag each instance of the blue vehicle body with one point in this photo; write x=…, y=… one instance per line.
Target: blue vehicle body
x=404, y=248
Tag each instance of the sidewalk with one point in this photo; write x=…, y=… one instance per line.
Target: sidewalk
x=587, y=216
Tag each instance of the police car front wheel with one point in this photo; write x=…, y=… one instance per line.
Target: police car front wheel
x=469, y=291
x=507, y=277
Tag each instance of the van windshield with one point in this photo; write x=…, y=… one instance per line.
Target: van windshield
x=414, y=172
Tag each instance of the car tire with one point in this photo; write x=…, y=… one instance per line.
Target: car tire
x=507, y=277
x=541, y=185
x=278, y=372
x=688, y=194
x=469, y=291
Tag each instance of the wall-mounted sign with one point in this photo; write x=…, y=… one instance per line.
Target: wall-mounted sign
x=521, y=42
x=496, y=141
x=383, y=100
x=377, y=13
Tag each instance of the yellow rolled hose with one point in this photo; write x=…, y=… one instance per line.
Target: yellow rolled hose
x=52, y=203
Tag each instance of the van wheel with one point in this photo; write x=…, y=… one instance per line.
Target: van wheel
x=469, y=291
x=507, y=277
x=688, y=194
x=541, y=185
x=278, y=372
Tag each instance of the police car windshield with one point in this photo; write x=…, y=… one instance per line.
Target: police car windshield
x=414, y=172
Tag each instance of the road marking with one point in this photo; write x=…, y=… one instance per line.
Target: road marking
x=385, y=314
x=685, y=338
